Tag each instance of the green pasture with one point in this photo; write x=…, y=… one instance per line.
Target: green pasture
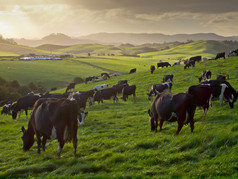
x=116, y=140
x=48, y=73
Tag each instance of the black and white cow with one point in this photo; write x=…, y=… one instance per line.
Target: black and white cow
x=6, y=109
x=168, y=78
x=207, y=74
x=52, y=119
x=172, y=107
x=159, y=88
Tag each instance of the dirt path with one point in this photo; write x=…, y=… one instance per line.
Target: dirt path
x=104, y=69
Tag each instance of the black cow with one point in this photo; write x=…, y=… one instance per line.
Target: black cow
x=152, y=69
x=70, y=86
x=52, y=119
x=82, y=98
x=202, y=95
x=168, y=78
x=196, y=58
x=24, y=103
x=220, y=55
x=172, y=107
x=129, y=90
x=163, y=64
x=119, y=87
x=132, y=70
x=105, y=94
x=189, y=64
x=176, y=63
x=159, y=88
x=222, y=89
x=207, y=74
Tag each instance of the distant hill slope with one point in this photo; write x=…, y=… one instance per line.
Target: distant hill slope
x=133, y=38
x=56, y=39
x=205, y=48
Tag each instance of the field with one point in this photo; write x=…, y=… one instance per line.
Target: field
x=116, y=140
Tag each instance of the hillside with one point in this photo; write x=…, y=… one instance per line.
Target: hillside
x=116, y=140
x=206, y=49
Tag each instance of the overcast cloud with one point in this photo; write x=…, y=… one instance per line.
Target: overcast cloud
x=35, y=19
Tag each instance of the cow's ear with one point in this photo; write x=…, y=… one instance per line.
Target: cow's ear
x=23, y=129
x=149, y=112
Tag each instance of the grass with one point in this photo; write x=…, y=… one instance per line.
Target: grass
x=116, y=140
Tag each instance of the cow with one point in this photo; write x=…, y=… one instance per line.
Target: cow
x=220, y=55
x=222, y=89
x=233, y=53
x=82, y=98
x=163, y=64
x=196, y=58
x=168, y=78
x=6, y=109
x=90, y=78
x=105, y=74
x=159, y=88
x=53, y=119
x=172, y=107
x=202, y=95
x=207, y=74
x=70, y=86
x=105, y=94
x=152, y=69
x=129, y=90
x=176, y=63
x=132, y=71
x=24, y=103
x=189, y=64
x=100, y=87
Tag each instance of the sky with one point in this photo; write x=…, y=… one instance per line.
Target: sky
x=34, y=19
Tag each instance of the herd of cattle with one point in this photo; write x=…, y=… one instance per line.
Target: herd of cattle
x=56, y=116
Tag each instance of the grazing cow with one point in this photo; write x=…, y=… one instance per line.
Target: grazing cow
x=132, y=71
x=129, y=90
x=100, y=87
x=119, y=87
x=53, y=119
x=106, y=94
x=82, y=98
x=70, y=86
x=189, y=64
x=90, y=78
x=207, y=74
x=6, y=109
x=163, y=64
x=168, y=78
x=220, y=55
x=196, y=58
x=105, y=74
x=159, y=88
x=152, y=69
x=176, y=63
x=172, y=107
x=24, y=103
x=233, y=53
x=202, y=95
x=53, y=89
x=222, y=89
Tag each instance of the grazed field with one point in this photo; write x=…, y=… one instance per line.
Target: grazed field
x=116, y=140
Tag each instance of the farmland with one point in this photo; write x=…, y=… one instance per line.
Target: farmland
x=116, y=140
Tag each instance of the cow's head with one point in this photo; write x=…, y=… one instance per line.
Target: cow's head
x=152, y=121
x=81, y=116
x=28, y=140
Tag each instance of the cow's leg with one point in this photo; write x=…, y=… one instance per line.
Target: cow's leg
x=60, y=141
x=156, y=124
x=75, y=142
x=192, y=125
x=43, y=143
x=161, y=124
x=180, y=125
x=38, y=142
x=19, y=114
x=223, y=87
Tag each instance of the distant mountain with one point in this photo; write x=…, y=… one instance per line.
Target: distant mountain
x=142, y=38
x=56, y=39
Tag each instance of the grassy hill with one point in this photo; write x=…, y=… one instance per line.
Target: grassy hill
x=116, y=140
x=206, y=49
